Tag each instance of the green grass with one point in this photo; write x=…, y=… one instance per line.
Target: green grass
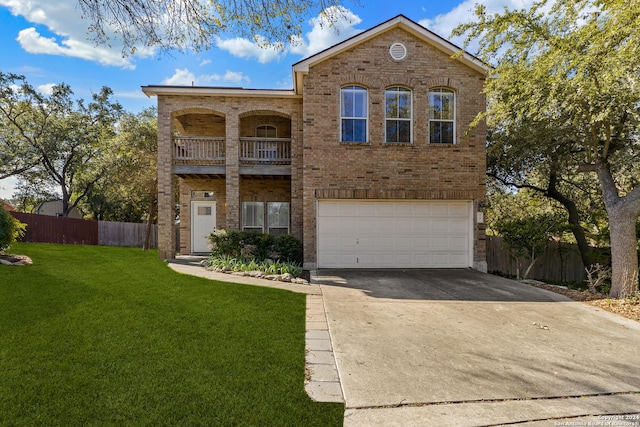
x=93, y=335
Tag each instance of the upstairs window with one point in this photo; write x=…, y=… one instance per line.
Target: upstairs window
x=442, y=107
x=398, y=115
x=353, y=114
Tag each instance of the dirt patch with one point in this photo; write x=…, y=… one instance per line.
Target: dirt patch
x=627, y=307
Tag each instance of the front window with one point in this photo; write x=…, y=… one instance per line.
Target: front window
x=398, y=115
x=278, y=218
x=253, y=216
x=353, y=114
x=442, y=107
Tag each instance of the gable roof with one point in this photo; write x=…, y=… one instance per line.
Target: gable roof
x=302, y=67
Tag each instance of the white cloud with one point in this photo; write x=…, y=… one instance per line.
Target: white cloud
x=205, y=62
x=332, y=26
x=184, y=77
x=247, y=49
x=326, y=32
x=46, y=89
x=463, y=13
x=181, y=77
x=63, y=19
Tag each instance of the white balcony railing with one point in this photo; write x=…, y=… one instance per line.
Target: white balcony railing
x=265, y=151
x=199, y=148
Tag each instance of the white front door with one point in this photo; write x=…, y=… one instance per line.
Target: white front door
x=203, y=223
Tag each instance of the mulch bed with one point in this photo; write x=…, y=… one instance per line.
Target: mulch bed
x=626, y=307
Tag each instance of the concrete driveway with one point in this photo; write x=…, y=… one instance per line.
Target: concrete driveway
x=459, y=347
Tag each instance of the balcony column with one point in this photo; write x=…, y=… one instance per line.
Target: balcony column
x=232, y=139
x=166, y=185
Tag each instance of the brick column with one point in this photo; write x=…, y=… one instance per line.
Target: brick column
x=166, y=185
x=297, y=199
x=232, y=151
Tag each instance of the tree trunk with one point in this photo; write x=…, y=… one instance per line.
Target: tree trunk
x=586, y=253
x=624, y=256
x=622, y=212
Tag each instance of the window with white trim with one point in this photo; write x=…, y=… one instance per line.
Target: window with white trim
x=253, y=216
x=397, y=115
x=353, y=114
x=278, y=218
x=442, y=116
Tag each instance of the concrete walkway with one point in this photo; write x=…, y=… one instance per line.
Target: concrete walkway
x=462, y=348
x=322, y=384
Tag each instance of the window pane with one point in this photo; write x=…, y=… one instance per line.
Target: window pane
x=391, y=100
x=435, y=136
x=435, y=105
x=278, y=214
x=253, y=214
x=360, y=104
x=447, y=106
x=392, y=131
x=347, y=103
x=404, y=105
x=347, y=130
x=359, y=131
x=404, y=131
x=447, y=132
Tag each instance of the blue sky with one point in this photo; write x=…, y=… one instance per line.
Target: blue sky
x=46, y=41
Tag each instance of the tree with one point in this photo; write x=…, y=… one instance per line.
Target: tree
x=170, y=24
x=65, y=139
x=129, y=190
x=572, y=68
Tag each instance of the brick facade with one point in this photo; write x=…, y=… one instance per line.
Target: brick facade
x=322, y=167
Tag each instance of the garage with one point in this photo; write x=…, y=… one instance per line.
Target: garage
x=394, y=234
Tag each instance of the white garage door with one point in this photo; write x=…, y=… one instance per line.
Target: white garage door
x=394, y=234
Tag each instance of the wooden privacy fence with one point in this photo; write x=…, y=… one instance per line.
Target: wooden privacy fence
x=51, y=229
x=126, y=234
x=560, y=262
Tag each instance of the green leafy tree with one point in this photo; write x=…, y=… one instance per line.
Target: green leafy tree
x=67, y=138
x=568, y=71
x=128, y=191
x=196, y=24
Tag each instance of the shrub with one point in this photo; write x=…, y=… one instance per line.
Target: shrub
x=289, y=248
x=10, y=229
x=248, y=245
x=237, y=250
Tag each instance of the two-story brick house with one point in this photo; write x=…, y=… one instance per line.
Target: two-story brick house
x=369, y=159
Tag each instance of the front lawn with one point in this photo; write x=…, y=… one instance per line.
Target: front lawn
x=93, y=335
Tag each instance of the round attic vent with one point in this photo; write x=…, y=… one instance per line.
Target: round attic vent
x=398, y=51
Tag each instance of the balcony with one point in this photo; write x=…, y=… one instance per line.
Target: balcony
x=265, y=151
x=198, y=150
x=265, y=156
x=198, y=156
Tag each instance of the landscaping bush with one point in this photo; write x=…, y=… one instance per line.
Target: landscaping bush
x=289, y=248
x=238, y=250
x=10, y=229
